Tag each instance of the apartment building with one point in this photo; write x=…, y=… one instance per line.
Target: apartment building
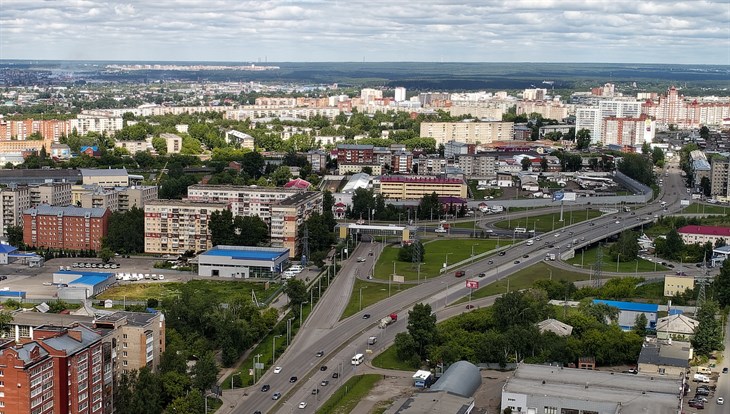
x=137, y=339
x=536, y=94
x=287, y=217
x=591, y=118
x=30, y=370
x=98, y=197
x=173, y=141
x=548, y=109
x=54, y=194
x=97, y=122
x=243, y=139
x=454, y=148
x=415, y=187
x=674, y=109
x=176, y=226
x=719, y=183
x=355, y=154
x=468, y=132
x=136, y=196
x=113, y=198
x=67, y=228
x=547, y=129
x=479, y=110
x=109, y=177
x=20, y=130
x=318, y=160
x=13, y=201
x=134, y=147
x=241, y=200
x=479, y=165
x=401, y=162
x=628, y=131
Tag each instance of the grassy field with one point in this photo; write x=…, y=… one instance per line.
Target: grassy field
x=589, y=258
x=435, y=257
x=549, y=222
x=349, y=394
x=524, y=279
x=389, y=360
x=372, y=292
x=162, y=291
x=698, y=208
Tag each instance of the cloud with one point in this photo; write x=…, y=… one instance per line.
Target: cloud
x=662, y=31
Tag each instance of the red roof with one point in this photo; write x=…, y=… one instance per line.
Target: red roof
x=298, y=183
x=706, y=230
x=340, y=204
x=433, y=180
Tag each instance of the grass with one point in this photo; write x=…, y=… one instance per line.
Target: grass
x=162, y=291
x=609, y=265
x=545, y=222
x=388, y=359
x=435, y=257
x=480, y=194
x=524, y=279
x=698, y=208
x=349, y=394
x=372, y=292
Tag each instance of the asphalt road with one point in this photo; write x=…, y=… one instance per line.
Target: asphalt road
x=342, y=339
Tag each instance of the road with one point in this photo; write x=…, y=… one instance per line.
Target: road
x=340, y=340
x=722, y=388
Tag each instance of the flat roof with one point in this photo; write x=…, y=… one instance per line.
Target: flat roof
x=82, y=273
x=247, y=253
x=92, y=280
x=630, y=306
x=370, y=227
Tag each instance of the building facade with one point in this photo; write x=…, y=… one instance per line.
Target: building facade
x=468, y=132
x=287, y=217
x=401, y=162
x=176, y=226
x=66, y=228
x=677, y=284
x=105, y=177
x=137, y=339
x=243, y=262
x=479, y=165
x=355, y=154
x=415, y=187
x=703, y=234
x=13, y=202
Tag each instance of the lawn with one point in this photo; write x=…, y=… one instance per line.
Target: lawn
x=372, y=292
x=588, y=259
x=162, y=291
x=524, y=279
x=551, y=221
x=349, y=394
x=699, y=208
x=435, y=257
x=388, y=359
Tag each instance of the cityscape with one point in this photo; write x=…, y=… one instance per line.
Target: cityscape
x=364, y=208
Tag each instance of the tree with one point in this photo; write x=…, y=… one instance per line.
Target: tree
x=106, y=254
x=281, y=175
x=706, y=186
x=363, y=202
x=673, y=245
x=543, y=164
x=252, y=164
x=526, y=163
x=640, y=323
x=205, y=372
x=406, y=253
x=645, y=148
x=125, y=233
x=708, y=334
x=160, y=145
x=15, y=236
x=657, y=155
x=582, y=139
x=704, y=133
x=627, y=246
x=406, y=348
x=722, y=284
x=296, y=291
x=428, y=206
x=5, y=319
x=637, y=167
x=422, y=327
x=148, y=392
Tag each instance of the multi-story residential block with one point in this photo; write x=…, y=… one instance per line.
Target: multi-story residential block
x=287, y=217
x=176, y=226
x=136, y=196
x=468, y=132
x=548, y=109
x=368, y=95
x=434, y=99
x=98, y=122
x=591, y=118
x=719, y=183
x=547, y=129
x=173, y=141
x=22, y=129
x=400, y=94
x=244, y=140
x=454, y=149
x=431, y=166
x=535, y=94
x=415, y=187
x=401, y=162
x=628, y=131
x=113, y=198
x=109, y=177
x=479, y=165
x=60, y=152
x=134, y=147
x=13, y=201
x=675, y=109
x=242, y=201
x=99, y=197
x=67, y=228
x=30, y=370
x=355, y=154
x=54, y=194
x=318, y=160
x=137, y=339
x=344, y=169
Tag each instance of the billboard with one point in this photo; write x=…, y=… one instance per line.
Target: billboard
x=558, y=196
x=684, y=203
x=569, y=196
x=472, y=284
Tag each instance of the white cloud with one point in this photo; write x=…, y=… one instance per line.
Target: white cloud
x=671, y=31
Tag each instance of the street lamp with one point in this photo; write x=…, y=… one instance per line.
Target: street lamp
x=447, y=259
x=618, y=261
x=551, y=273
x=472, y=252
x=273, y=348
x=364, y=287
x=301, y=306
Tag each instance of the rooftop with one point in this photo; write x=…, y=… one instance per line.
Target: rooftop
x=354, y=147
x=417, y=179
x=706, y=230
x=555, y=326
x=299, y=198
x=103, y=172
x=68, y=211
x=92, y=280
x=247, y=253
x=71, y=345
x=140, y=319
x=298, y=183
x=677, y=323
x=630, y=306
x=673, y=354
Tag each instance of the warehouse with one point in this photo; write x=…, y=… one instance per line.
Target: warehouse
x=81, y=285
x=243, y=262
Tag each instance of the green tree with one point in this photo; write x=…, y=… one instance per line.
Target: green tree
x=422, y=327
x=250, y=231
x=125, y=233
x=296, y=291
x=281, y=176
x=657, y=155
x=673, y=245
x=205, y=372
x=637, y=167
x=627, y=246
x=106, y=254
x=640, y=323
x=543, y=164
x=252, y=164
x=582, y=139
x=708, y=334
x=363, y=202
x=406, y=348
x=405, y=254
x=15, y=236
x=160, y=145
x=191, y=403
x=221, y=228
x=5, y=319
x=148, y=392
x=526, y=163
x=429, y=207
x=706, y=186
x=704, y=132
x=645, y=148
x=722, y=284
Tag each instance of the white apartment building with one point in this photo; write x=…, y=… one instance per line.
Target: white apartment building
x=176, y=226
x=287, y=217
x=591, y=118
x=242, y=201
x=400, y=94
x=536, y=94
x=100, y=123
x=468, y=132
x=478, y=165
x=173, y=142
x=628, y=131
x=548, y=109
x=13, y=202
x=368, y=95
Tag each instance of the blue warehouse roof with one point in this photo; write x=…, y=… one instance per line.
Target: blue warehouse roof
x=243, y=253
x=91, y=280
x=630, y=306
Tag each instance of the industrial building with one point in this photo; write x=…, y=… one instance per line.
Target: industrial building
x=80, y=284
x=243, y=262
x=628, y=311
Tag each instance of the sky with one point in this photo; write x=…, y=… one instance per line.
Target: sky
x=615, y=31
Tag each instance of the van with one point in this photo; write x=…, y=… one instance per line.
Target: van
x=296, y=268
x=704, y=370
x=357, y=359
x=372, y=340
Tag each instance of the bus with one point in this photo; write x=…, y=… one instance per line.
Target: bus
x=357, y=359
x=520, y=230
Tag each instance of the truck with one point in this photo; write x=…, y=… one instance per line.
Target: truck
x=387, y=320
x=701, y=378
x=550, y=256
x=497, y=209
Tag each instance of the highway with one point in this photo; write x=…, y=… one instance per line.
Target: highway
x=340, y=340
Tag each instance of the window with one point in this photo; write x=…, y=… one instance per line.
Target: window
x=551, y=410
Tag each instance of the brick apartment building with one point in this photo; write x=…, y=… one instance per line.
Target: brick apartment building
x=175, y=226
x=355, y=154
x=67, y=228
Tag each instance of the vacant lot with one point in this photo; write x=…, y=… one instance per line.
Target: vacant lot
x=162, y=291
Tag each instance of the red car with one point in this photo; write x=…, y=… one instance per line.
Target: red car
x=459, y=273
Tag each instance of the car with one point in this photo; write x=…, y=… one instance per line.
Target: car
x=370, y=253
x=582, y=239
x=570, y=233
x=315, y=391
x=320, y=354
x=557, y=234
x=618, y=222
x=335, y=375
x=277, y=370
x=538, y=239
x=366, y=316
x=324, y=383
x=591, y=224
x=293, y=379
x=265, y=387
x=724, y=370
x=3, y=277
x=276, y=396
x=360, y=259
x=459, y=273
x=257, y=412
x=489, y=231
x=517, y=261
x=525, y=256
x=502, y=253
x=490, y=262
x=720, y=401
x=551, y=246
x=303, y=404
x=470, y=306
x=323, y=368
x=440, y=230
x=484, y=274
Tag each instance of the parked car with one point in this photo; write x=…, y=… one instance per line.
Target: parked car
x=724, y=370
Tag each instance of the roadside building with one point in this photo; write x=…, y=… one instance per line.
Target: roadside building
x=664, y=357
x=243, y=262
x=555, y=326
x=81, y=285
x=109, y=177
x=287, y=217
x=176, y=226
x=676, y=284
x=415, y=187
x=703, y=234
x=676, y=327
x=66, y=228
x=628, y=311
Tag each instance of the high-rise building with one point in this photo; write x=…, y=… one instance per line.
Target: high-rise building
x=719, y=173
x=591, y=118
x=53, y=194
x=66, y=228
x=137, y=339
x=628, y=131
x=534, y=94
x=13, y=201
x=177, y=226
x=468, y=132
x=287, y=217
x=401, y=162
x=355, y=154
x=674, y=109
x=478, y=165
x=369, y=95
x=400, y=94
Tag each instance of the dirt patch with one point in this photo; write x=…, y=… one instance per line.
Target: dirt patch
x=488, y=397
x=388, y=389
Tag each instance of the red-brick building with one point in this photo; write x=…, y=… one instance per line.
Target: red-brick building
x=68, y=228
x=355, y=154
x=28, y=379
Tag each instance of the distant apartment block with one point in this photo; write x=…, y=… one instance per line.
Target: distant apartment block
x=13, y=201
x=176, y=226
x=415, y=187
x=468, y=132
x=548, y=129
x=628, y=131
x=287, y=217
x=548, y=109
x=355, y=154
x=535, y=94
x=318, y=160
x=454, y=148
x=134, y=147
x=478, y=110
x=67, y=228
x=719, y=173
x=246, y=141
x=674, y=109
x=173, y=142
x=99, y=122
x=479, y=165
x=401, y=162
x=344, y=169
x=113, y=198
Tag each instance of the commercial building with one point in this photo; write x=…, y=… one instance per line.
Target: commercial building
x=344, y=169
x=415, y=187
x=455, y=148
x=677, y=284
x=703, y=234
x=176, y=226
x=117, y=177
x=66, y=228
x=81, y=284
x=628, y=311
x=287, y=217
x=468, y=132
x=664, y=357
x=676, y=327
x=243, y=262
x=546, y=389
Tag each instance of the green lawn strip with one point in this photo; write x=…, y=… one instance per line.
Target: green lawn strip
x=372, y=292
x=467, y=225
x=435, y=257
x=388, y=359
x=545, y=222
x=624, y=266
x=524, y=279
x=168, y=290
x=698, y=208
x=349, y=394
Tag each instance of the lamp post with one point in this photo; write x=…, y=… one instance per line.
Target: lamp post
x=534, y=225
x=273, y=348
x=472, y=252
x=447, y=259
x=551, y=273
x=364, y=287
x=301, y=308
x=618, y=261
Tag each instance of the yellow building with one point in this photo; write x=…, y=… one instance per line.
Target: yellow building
x=674, y=285
x=414, y=188
x=468, y=132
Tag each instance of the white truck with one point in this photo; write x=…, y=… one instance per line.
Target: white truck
x=701, y=378
x=550, y=256
x=497, y=209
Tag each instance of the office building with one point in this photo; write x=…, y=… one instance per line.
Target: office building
x=105, y=177
x=468, y=132
x=287, y=217
x=243, y=262
x=65, y=228
x=177, y=226
x=415, y=187
x=703, y=234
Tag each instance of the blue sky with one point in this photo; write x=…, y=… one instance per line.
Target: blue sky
x=621, y=31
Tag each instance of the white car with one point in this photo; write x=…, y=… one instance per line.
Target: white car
x=720, y=401
x=303, y=404
x=440, y=230
x=277, y=370
x=360, y=259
